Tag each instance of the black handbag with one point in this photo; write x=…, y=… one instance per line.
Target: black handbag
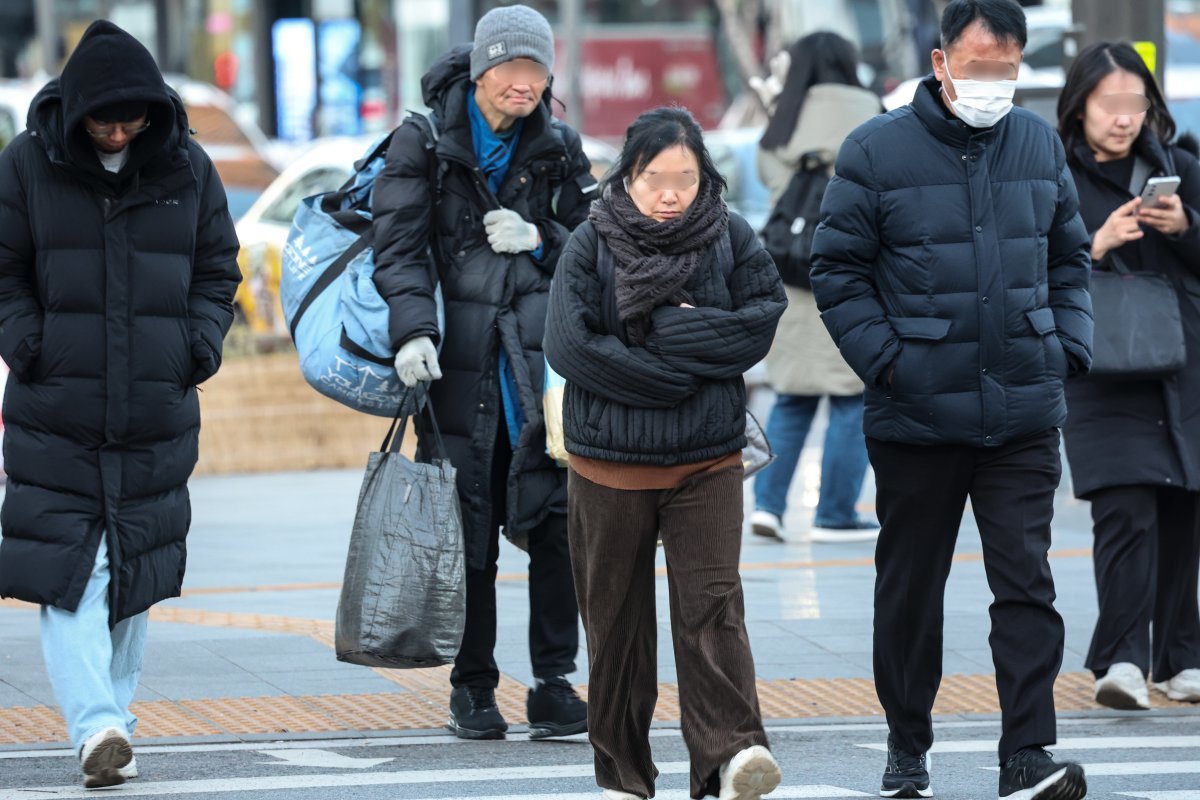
x=1139, y=328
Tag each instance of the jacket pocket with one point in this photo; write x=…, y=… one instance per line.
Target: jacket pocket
x=1042, y=321
x=1043, y=324
x=930, y=328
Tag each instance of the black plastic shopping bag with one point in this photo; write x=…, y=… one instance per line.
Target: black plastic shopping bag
x=403, y=601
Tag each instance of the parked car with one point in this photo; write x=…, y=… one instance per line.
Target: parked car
x=15, y=97
x=263, y=229
x=735, y=153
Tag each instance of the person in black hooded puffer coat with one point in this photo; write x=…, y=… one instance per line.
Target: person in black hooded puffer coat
x=117, y=274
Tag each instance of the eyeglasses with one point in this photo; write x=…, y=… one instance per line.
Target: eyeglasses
x=670, y=181
x=1120, y=104
x=522, y=72
x=111, y=130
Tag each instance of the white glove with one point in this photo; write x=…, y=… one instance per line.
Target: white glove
x=417, y=361
x=508, y=232
x=770, y=87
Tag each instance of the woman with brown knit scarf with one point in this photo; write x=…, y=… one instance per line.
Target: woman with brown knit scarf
x=660, y=302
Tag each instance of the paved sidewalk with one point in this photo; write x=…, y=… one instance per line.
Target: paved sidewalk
x=247, y=653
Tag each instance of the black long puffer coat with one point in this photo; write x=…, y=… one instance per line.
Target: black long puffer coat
x=492, y=300
x=116, y=292
x=1125, y=433
x=960, y=268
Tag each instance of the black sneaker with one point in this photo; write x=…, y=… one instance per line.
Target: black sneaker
x=474, y=715
x=554, y=709
x=1032, y=774
x=907, y=775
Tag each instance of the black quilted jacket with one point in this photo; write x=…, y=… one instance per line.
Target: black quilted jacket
x=681, y=398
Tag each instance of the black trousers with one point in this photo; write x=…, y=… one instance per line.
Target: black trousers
x=1146, y=555
x=922, y=493
x=553, y=611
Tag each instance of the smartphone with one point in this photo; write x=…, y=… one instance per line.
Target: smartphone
x=1158, y=188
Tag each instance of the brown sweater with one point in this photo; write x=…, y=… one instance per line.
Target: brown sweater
x=647, y=476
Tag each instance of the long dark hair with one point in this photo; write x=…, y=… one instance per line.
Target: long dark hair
x=1093, y=64
x=821, y=57
x=655, y=131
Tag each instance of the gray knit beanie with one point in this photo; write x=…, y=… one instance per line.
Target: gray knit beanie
x=511, y=32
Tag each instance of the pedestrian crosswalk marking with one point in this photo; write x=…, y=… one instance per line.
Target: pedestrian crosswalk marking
x=1088, y=743
x=297, y=783
x=1138, y=768
x=1171, y=794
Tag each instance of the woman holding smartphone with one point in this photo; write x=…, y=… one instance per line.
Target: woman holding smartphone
x=1134, y=445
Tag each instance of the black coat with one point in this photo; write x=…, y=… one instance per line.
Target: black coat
x=963, y=267
x=115, y=294
x=1122, y=433
x=681, y=398
x=491, y=300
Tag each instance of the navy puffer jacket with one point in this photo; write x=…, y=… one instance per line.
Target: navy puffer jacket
x=951, y=268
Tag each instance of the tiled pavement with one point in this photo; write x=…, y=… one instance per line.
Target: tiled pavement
x=247, y=651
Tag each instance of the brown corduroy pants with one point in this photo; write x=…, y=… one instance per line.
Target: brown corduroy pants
x=613, y=533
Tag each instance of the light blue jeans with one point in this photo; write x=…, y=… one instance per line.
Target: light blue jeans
x=843, y=459
x=94, y=671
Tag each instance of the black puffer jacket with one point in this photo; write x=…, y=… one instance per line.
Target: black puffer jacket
x=963, y=267
x=681, y=398
x=115, y=295
x=491, y=300
x=1123, y=433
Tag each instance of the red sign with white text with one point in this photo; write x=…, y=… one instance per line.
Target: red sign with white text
x=624, y=75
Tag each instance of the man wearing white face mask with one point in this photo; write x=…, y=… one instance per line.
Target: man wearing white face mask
x=951, y=267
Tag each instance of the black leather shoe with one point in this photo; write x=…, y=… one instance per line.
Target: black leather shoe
x=554, y=709
x=474, y=715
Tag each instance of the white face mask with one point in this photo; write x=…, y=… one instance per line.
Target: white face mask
x=981, y=104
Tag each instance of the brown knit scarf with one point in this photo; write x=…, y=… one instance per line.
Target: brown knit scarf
x=653, y=260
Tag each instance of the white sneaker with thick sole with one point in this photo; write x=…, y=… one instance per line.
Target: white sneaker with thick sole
x=102, y=757
x=749, y=775
x=1185, y=686
x=130, y=770
x=766, y=524
x=1124, y=687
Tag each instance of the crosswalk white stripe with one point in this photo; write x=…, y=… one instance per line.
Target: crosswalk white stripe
x=1170, y=794
x=1089, y=743
x=296, y=782
x=1137, y=768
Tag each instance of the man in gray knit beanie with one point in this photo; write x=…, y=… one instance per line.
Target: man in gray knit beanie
x=511, y=184
x=511, y=32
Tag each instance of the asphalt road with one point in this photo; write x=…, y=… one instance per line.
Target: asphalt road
x=1127, y=756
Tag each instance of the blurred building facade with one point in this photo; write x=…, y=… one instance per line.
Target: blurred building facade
x=319, y=67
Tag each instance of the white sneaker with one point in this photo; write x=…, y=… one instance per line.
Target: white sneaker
x=130, y=770
x=102, y=757
x=766, y=524
x=613, y=794
x=1184, y=686
x=749, y=775
x=1124, y=686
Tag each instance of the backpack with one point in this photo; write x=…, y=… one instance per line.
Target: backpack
x=788, y=234
x=336, y=316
